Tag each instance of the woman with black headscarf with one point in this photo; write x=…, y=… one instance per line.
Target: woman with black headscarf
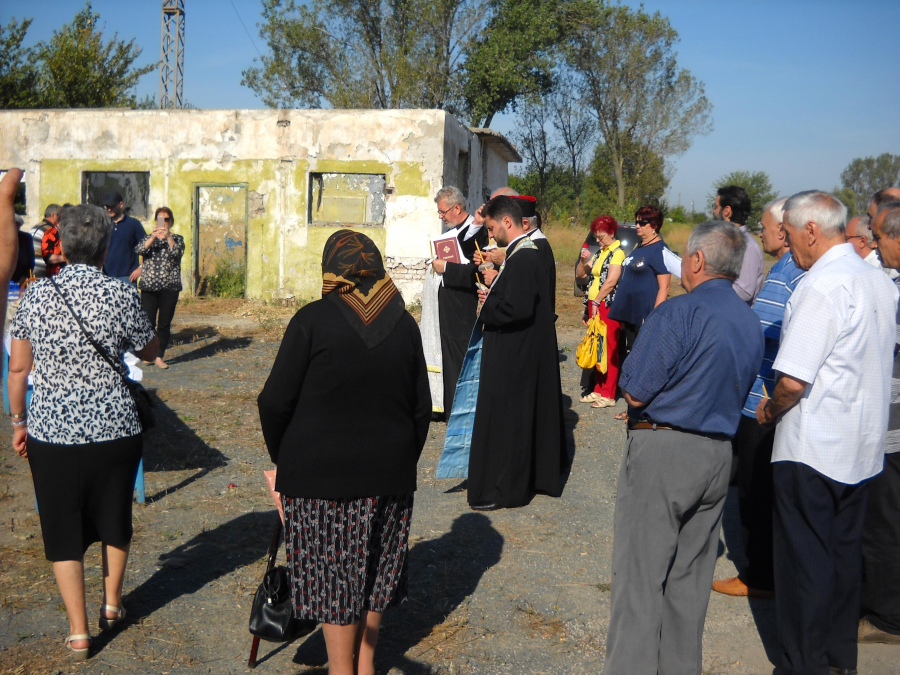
x=347, y=463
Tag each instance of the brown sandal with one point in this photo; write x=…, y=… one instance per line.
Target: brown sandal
x=621, y=416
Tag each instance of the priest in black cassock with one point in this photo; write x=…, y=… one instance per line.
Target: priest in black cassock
x=518, y=443
x=530, y=221
x=457, y=297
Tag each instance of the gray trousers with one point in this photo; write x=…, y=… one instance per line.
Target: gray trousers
x=669, y=502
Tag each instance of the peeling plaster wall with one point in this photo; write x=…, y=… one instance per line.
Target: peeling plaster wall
x=272, y=153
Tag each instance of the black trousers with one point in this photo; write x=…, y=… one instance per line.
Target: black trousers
x=753, y=454
x=160, y=308
x=881, y=548
x=818, y=569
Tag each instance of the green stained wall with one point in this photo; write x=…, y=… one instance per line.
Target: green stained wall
x=282, y=225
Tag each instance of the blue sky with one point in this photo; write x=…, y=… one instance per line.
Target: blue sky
x=799, y=88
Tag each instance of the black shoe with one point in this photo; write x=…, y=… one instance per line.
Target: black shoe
x=485, y=507
x=834, y=670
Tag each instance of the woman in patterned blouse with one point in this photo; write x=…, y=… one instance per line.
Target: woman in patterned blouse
x=161, y=276
x=81, y=434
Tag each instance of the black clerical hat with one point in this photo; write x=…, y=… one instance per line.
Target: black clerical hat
x=528, y=205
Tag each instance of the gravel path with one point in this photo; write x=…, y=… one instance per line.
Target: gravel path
x=517, y=591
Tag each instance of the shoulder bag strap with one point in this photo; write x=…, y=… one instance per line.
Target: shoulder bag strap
x=101, y=350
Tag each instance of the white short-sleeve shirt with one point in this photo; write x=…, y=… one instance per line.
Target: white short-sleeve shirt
x=838, y=335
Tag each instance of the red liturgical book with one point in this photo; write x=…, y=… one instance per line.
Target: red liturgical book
x=447, y=250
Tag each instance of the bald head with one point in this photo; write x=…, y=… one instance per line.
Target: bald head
x=504, y=192
x=881, y=198
x=859, y=235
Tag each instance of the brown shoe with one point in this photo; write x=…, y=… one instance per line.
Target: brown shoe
x=734, y=586
x=869, y=634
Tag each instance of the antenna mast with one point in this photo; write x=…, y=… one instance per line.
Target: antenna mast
x=171, y=60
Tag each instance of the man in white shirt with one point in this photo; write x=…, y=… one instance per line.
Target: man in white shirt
x=832, y=398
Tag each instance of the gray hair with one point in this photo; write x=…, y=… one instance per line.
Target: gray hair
x=776, y=208
x=891, y=223
x=532, y=221
x=828, y=213
x=452, y=196
x=505, y=191
x=84, y=232
x=20, y=221
x=52, y=210
x=864, y=227
x=722, y=245
x=894, y=204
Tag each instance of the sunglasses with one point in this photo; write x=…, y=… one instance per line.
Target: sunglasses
x=642, y=222
x=165, y=220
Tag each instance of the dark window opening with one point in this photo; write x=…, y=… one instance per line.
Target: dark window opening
x=134, y=186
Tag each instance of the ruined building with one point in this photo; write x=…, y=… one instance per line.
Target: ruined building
x=259, y=191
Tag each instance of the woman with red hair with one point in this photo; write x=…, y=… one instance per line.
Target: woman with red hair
x=605, y=270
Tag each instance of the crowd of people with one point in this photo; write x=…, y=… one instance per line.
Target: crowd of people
x=783, y=383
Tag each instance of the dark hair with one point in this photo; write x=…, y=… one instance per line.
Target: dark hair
x=651, y=213
x=882, y=197
x=84, y=231
x=737, y=198
x=167, y=211
x=606, y=224
x=502, y=206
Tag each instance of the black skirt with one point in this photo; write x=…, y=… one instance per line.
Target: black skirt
x=346, y=555
x=84, y=493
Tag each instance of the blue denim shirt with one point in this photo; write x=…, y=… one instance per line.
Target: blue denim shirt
x=122, y=260
x=694, y=360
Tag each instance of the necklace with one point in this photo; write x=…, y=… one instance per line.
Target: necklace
x=647, y=243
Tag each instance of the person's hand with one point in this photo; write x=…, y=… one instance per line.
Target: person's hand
x=20, y=435
x=498, y=255
x=479, y=215
x=762, y=413
x=584, y=321
x=478, y=257
x=439, y=265
x=585, y=253
x=489, y=276
x=135, y=275
x=482, y=296
x=161, y=233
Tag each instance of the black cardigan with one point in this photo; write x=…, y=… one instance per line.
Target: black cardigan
x=340, y=420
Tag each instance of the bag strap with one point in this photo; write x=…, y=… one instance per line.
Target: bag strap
x=101, y=350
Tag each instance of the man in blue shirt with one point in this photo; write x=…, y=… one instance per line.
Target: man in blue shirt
x=122, y=259
x=753, y=442
x=685, y=381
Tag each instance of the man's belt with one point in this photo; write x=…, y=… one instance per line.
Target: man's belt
x=649, y=425
x=654, y=426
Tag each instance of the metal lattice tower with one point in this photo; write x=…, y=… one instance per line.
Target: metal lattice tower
x=171, y=55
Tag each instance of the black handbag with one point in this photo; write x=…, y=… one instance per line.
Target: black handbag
x=272, y=615
x=141, y=397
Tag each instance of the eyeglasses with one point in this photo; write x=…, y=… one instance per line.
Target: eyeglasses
x=165, y=220
x=446, y=211
x=642, y=222
x=855, y=236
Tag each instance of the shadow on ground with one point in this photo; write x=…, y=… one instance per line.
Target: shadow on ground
x=173, y=446
x=443, y=572
x=763, y=611
x=223, y=344
x=189, y=567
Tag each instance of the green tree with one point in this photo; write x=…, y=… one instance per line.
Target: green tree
x=865, y=176
x=628, y=76
x=757, y=185
x=512, y=57
x=474, y=58
x=19, y=76
x=79, y=69
x=645, y=179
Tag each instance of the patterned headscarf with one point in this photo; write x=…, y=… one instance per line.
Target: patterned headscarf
x=354, y=278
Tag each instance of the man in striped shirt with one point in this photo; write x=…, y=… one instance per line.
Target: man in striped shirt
x=753, y=443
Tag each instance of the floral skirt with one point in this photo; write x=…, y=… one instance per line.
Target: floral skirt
x=345, y=556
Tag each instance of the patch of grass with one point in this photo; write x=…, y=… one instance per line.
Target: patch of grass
x=228, y=281
x=416, y=310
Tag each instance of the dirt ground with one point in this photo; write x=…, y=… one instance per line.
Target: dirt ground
x=516, y=591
